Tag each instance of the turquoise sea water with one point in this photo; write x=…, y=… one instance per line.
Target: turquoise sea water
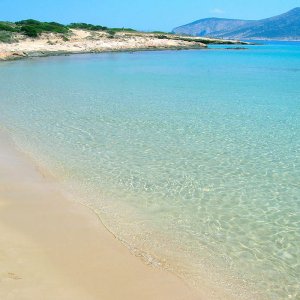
x=192, y=158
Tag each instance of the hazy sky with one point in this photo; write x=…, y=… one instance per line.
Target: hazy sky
x=140, y=14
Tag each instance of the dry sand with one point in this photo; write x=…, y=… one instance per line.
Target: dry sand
x=53, y=248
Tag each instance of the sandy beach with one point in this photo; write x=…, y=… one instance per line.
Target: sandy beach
x=53, y=248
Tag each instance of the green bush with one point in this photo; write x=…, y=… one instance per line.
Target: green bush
x=53, y=27
x=34, y=28
x=28, y=22
x=65, y=38
x=6, y=37
x=161, y=36
x=158, y=32
x=111, y=32
x=122, y=29
x=30, y=30
x=7, y=27
x=87, y=26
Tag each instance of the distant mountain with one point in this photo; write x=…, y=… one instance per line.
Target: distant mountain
x=282, y=27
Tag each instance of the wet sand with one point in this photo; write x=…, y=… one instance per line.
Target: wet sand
x=54, y=248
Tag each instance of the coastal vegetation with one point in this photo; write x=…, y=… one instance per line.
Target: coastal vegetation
x=6, y=26
x=86, y=26
x=34, y=28
x=6, y=37
x=6, y=32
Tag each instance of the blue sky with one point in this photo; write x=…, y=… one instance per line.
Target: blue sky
x=140, y=14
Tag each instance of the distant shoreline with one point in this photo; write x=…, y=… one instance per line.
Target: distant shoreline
x=86, y=41
x=281, y=27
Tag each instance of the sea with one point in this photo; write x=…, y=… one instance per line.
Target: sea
x=190, y=158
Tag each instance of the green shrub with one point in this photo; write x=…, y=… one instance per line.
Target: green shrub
x=34, y=28
x=6, y=37
x=161, y=36
x=7, y=27
x=122, y=29
x=28, y=22
x=52, y=27
x=87, y=26
x=30, y=30
x=65, y=38
x=158, y=32
x=111, y=32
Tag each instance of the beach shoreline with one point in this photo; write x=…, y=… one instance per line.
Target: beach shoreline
x=55, y=248
x=149, y=142
x=40, y=54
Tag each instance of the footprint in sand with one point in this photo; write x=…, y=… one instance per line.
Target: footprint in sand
x=14, y=276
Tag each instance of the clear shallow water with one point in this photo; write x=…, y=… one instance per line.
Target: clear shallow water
x=190, y=157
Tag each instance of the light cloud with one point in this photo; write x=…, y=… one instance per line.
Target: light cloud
x=217, y=11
